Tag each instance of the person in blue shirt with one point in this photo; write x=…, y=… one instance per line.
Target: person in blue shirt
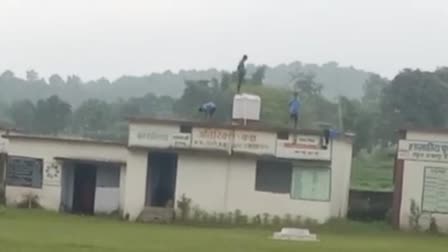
x=294, y=107
x=208, y=109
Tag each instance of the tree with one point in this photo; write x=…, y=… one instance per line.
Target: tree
x=56, y=80
x=73, y=80
x=52, y=115
x=22, y=113
x=305, y=84
x=92, y=116
x=7, y=75
x=32, y=76
x=226, y=78
x=258, y=75
x=415, y=99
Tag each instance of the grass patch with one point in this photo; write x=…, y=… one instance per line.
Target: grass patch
x=373, y=171
x=39, y=231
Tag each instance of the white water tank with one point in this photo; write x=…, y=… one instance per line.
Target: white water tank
x=246, y=107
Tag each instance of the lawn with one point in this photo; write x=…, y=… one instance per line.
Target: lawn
x=31, y=230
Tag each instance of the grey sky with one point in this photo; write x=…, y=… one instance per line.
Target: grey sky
x=94, y=38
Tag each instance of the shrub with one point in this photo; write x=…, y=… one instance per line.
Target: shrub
x=433, y=227
x=184, y=205
x=276, y=221
x=266, y=219
x=29, y=201
x=256, y=220
x=414, y=218
x=287, y=220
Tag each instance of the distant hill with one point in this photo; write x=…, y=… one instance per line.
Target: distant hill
x=335, y=79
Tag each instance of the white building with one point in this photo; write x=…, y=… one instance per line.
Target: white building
x=421, y=175
x=221, y=168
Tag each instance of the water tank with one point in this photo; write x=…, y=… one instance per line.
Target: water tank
x=246, y=107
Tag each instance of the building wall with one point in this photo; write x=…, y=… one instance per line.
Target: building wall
x=50, y=193
x=135, y=183
x=220, y=183
x=3, y=142
x=412, y=187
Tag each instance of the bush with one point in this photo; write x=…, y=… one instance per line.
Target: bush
x=414, y=218
x=433, y=227
x=29, y=201
x=184, y=205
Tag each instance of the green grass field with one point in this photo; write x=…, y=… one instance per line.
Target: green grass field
x=38, y=231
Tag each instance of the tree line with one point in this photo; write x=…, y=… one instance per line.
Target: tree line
x=413, y=98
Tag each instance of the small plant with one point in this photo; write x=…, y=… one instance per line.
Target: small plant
x=414, y=218
x=229, y=218
x=433, y=227
x=237, y=216
x=222, y=218
x=266, y=219
x=287, y=220
x=213, y=218
x=197, y=214
x=29, y=201
x=256, y=220
x=276, y=220
x=184, y=205
x=298, y=221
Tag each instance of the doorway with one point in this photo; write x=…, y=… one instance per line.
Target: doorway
x=161, y=179
x=84, y=189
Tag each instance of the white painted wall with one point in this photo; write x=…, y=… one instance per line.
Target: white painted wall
x=3, y=142
x=50, y=195
x=203, y=179
x=219, y=183
x=135, y=183
x=341, y=167
x=426, y=136
x=413, y=190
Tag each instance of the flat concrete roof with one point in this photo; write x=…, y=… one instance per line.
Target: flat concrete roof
x=63, y=138
x=251, y=125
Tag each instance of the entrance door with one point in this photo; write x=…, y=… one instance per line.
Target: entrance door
x=84, y=189
x=161, y=180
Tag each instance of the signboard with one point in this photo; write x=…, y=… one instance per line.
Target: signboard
x=303, y=147
x=25, y=172
x=52, y=173
x=423, y=150
x=254, y=142
x=435, y=190
x=211, y=138
x=158, y=136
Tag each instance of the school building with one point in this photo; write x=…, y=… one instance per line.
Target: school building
x=243, y=165
x=421, y=176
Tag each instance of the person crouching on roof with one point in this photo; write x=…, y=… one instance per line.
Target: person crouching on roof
x=208, y=109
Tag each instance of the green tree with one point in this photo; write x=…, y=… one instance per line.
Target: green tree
x=414, y=99
x=52, y=115
x=22, y=113
x=92, y=116
x=259, y=75
x=32, y=76
x=56, y=80
x=305, y=84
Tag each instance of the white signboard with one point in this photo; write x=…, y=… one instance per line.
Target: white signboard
x=52, y=173
x=303, y=147
x=435, y=190
x=210, y=138
x=254, y=142
x=423, y=150
x=158, y=136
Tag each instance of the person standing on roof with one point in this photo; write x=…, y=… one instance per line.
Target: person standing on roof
x=241, y=70
x=208, y=109
x=294, y=107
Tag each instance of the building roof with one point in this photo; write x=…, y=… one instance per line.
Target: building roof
x=426, y=130
x=63, y=138
x=251, y=125
x=92, y=160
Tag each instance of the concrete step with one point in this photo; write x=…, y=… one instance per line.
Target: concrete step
x=156, y=214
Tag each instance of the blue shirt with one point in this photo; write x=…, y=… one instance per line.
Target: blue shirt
x=207, y=106
x=294, y=106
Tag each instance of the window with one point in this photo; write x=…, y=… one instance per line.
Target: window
x=283, y=135
x=273, y=176
x=23, y=171
x=185, y=129
x=311, y=182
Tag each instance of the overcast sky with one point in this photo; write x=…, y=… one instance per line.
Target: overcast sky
x=95, y=38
